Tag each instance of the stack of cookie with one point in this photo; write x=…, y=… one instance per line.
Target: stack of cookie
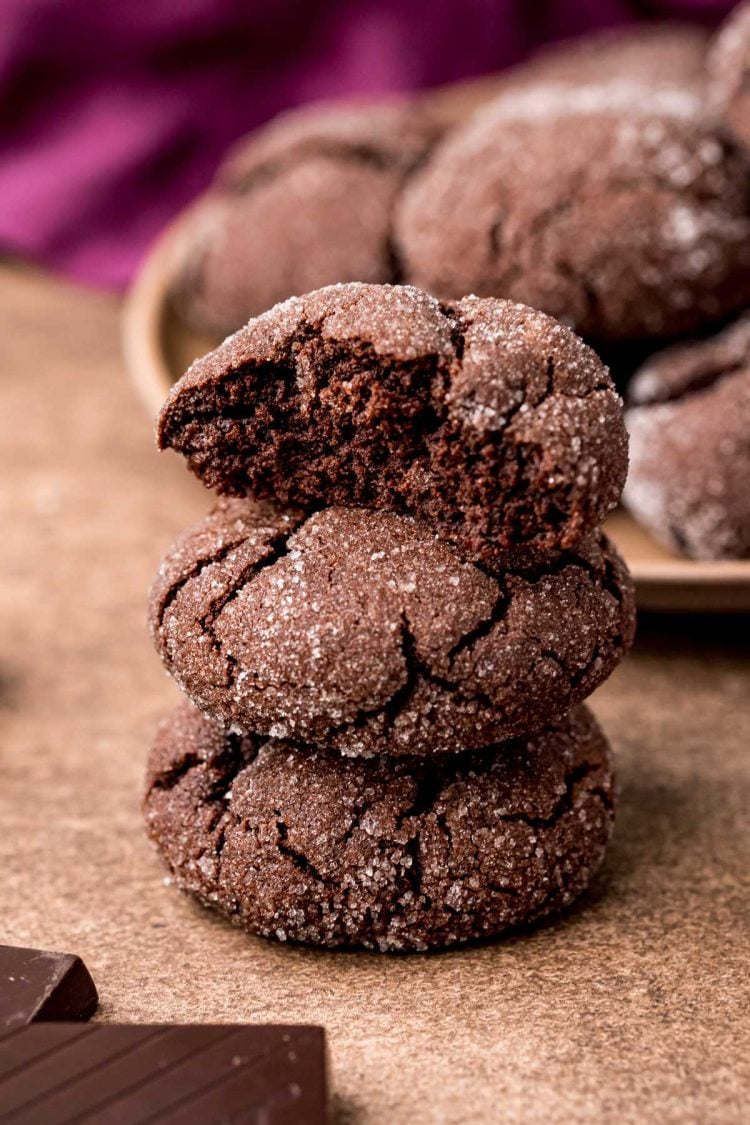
x=387, y=630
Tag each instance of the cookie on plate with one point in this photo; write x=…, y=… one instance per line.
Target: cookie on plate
x=618, y=208
x=728, y=66
x=489, y=420
x=304, y=202
x=364, y=632
x=390, y=854
x=690, y=446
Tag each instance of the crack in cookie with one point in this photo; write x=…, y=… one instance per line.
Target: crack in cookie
x=363, y=632
x=393, y=854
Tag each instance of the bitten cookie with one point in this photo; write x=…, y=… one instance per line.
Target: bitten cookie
x=728, y=67
x=305, y=202
x=690, y=446
x=363, y=632
x=489, y=420
x=618, y=209
x=386, y=854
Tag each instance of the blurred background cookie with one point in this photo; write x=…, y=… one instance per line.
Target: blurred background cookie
x=618, y=208
x=306, y=201
x=728, y=68
x=689, y=427
x=651, y=55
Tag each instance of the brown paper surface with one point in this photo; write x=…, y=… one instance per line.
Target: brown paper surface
x=633, y=1007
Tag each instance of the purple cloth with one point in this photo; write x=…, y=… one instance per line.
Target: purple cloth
x=113, y=115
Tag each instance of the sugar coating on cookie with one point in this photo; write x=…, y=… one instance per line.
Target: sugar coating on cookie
x=304, y=202
x=728, y=68
x=690, y=446
x=616, y=206
x=364, y=632
x=639, y=67
x=488, y=419
x=389, y=854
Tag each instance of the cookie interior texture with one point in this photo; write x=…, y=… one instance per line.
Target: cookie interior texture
x=364, y=632
x=616, y=206
x=690, y=446
x=382, y=853
x=304, y=202
x=728, y=67
x=488, y=419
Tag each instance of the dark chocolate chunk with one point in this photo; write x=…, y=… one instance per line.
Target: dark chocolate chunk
x=183, y=1075
x=37, y=985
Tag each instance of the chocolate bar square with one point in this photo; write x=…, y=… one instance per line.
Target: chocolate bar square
x=195, y=1074
x=38, y=985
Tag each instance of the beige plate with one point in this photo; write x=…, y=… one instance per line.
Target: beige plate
x=158, y=347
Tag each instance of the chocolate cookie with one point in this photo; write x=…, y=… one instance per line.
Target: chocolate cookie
x=363, y=632
x=690, y=446
x=304, y=202
x=616, y=207
x=643, y=55
x=388, y=854
x=728, y=67
x=488, y=419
